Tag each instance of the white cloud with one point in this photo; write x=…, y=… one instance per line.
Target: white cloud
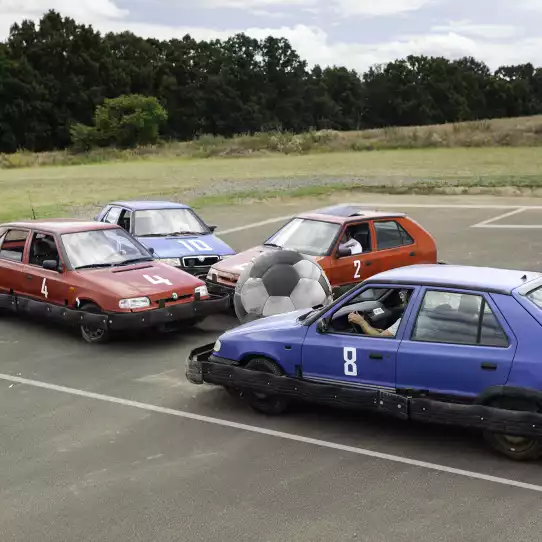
x=489, y=31
x=452, y=40
x=378, y=8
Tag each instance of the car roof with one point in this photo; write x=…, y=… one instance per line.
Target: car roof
x=149, y=205
x=60, y=225
x=347, y=212
x=488, y=279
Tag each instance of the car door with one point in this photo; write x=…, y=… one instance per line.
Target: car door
x=395, y=247
x=12, y=249
x=42, y=284
x=348, y=356
x=457, y=344
x=348, y=270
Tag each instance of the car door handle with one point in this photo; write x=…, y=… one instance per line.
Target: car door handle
x=29, y=277
x=374, y=355
x=412, y=254
x=488, y=366
x=368, y=263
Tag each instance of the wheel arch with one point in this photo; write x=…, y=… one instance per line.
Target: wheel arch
x=509, y=392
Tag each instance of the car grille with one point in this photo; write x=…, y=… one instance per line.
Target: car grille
x=162, y=302
x=199, y=261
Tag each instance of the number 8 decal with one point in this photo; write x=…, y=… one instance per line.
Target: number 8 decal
x=350, y=358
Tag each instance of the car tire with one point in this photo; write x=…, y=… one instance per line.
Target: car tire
x=271, y=405
x=93, y=335
x=517, y=448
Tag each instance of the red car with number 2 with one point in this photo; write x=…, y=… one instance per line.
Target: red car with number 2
x=96, y=276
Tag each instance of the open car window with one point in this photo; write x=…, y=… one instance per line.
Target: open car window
x=42, y=248
x=311, y=237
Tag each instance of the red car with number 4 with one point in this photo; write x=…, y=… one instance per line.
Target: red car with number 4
x=96, y=276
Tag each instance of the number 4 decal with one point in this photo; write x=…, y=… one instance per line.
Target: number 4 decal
x=350, y=358
x=158, y=280
x=44, y=290
x=357, y=267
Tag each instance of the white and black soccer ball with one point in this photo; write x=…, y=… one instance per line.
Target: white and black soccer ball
x=280, y=281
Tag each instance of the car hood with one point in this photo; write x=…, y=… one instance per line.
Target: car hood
x=151, y=279
x=174, y=247
x=235, y=264
x=277, y=322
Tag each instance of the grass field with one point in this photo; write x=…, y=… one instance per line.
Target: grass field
x=56, y=191
x=511, y=132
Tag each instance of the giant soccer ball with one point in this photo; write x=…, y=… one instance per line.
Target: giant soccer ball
x=280, y=281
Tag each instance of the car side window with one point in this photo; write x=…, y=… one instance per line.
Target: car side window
x=390, y=234
x=43, y=247
x=125, y=219
x=13, y=243
x=112, y=216
x=357, y=238
x=453, y=318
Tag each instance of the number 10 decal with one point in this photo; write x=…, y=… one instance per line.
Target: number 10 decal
x=350, y=358
x=196, y=244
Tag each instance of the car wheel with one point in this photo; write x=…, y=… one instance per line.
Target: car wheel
x=514, y=447
x=93, y=335
x=271, y=405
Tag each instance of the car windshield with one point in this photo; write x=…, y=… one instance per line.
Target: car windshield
x=535, y=296
x=311, y=237
x=102, y=248
x=162, y=222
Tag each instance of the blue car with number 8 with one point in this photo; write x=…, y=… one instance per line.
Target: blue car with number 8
x=441, y=344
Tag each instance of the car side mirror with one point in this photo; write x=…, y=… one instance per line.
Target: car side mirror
x=212, y=228
x=343, y=252
x=52, y=265
x=151, y=250
x=322, y=325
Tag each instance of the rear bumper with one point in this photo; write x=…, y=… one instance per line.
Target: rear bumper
x=117, y=321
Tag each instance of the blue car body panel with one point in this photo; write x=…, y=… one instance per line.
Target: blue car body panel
x=400, y=363
x=175, y=246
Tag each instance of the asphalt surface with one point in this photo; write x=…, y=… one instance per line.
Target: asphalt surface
x=83, y=468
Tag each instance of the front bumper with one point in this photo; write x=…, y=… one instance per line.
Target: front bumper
x=219, y=289
x=202, y=367
x=117, y=321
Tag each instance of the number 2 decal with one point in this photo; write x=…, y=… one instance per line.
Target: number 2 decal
x=44, y=290
x=196, y=244
x=350, y=358
x=158, y=280
x=357, y=267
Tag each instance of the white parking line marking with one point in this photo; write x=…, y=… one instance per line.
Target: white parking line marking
x=499, y=217
x=272, y=433
x=397, y=206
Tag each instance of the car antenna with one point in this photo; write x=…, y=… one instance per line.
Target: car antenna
x=32, y=206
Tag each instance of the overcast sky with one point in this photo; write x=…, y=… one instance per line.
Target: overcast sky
x=355, y=33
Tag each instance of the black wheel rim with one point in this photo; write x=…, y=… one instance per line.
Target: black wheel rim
x=515, y=444
x=93, y=333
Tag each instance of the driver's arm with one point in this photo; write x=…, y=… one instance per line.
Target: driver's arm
x=368, y=329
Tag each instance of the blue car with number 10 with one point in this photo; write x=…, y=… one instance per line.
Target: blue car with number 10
x=173, y=232
x=441, y=344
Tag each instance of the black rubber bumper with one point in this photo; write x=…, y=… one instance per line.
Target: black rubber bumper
x=117, y=321
x=219, y=289
x=203, y=367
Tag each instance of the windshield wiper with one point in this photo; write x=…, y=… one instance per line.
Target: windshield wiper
x=272, y=245
x=185, y=233
x=135, y=260
x=95, y=266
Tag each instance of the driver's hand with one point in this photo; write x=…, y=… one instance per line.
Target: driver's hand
x=356, y=318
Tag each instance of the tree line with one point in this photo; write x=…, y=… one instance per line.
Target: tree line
x=54, y=74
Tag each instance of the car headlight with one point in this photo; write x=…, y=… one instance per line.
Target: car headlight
x=202, y=291
x=135, y=303
x=210, y=274
x=175, y=262
x=217, y=346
